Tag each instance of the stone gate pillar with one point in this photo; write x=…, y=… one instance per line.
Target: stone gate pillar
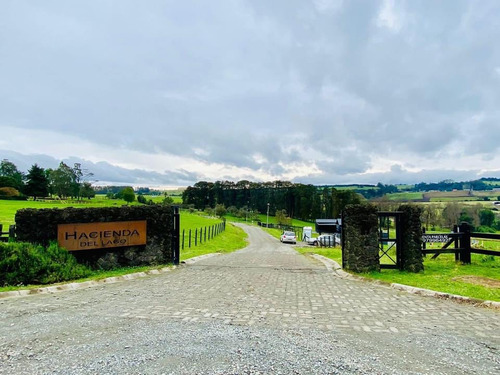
x=360, y=238
x=411, y=238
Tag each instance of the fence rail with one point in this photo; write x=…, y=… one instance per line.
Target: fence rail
x=462, y=240
x=10, y=234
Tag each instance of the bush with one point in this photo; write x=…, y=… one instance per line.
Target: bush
x=141, y=199
x=485, y=229
x=128, y=195
x=23, y=263
x=9, y=192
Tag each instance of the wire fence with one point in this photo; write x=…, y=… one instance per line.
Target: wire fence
x=198, y=236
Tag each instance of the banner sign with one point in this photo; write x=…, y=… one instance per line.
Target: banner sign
x=435, y=238
x=90, y=236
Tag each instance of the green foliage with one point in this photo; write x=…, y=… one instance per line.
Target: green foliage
x=9, y=192
x=128, y=194
x=87, y=191
x=61, y=181
x=485, y=229
x=9, y=169
x=168, y=200
x=282, y=218
x=220, y=210
x=26, y=263
x=141, y=199
x=486, y=218
x=37, y=184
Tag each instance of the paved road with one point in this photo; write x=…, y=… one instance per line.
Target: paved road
x=263, y=309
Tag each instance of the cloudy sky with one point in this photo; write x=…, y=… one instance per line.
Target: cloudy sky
x=315, y=91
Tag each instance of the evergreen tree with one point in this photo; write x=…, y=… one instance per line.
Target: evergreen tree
x=37, y=184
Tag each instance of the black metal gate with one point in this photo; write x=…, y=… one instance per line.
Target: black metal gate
x=390, y=241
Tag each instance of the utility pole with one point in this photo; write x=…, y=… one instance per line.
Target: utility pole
x=267, y=222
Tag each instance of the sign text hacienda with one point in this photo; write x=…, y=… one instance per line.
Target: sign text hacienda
x=90, y=236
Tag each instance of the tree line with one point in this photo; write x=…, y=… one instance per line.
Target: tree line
x=300, y=201
x=379, y=190
x=64, y=181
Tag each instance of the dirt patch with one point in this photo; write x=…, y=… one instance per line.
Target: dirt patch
x=478, y=280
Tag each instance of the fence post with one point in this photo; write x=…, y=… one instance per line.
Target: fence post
x=201, y=235
x=175, y=237
x=190, y=238
x=196, y=237
x=465, y=243
x=12, y=232
x=456, y=243
x=205, y=234
x=424, y=245
x=183, y=235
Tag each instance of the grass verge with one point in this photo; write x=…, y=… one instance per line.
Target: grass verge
x=233, y=238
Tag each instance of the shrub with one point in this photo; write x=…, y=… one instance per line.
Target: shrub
x=141, y=199
x=485, y=229
x=9, y=192
x=23, y=263
x=128, y=195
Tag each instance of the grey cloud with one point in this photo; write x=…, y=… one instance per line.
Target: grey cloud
x=104, y=172
x=232, y=79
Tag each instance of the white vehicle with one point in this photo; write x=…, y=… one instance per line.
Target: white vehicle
x=325, y=240
x=288, y=236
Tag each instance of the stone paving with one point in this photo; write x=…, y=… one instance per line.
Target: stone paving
x=267, y=283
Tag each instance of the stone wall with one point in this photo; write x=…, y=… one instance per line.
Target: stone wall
x=40, y=226
x=360, y=238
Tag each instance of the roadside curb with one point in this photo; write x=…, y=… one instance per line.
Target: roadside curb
x=85, y=284
x=198, y=258
x=333, y=266
x=92, y=283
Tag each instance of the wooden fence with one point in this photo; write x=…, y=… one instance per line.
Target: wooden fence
x=10, y=234
x=460, y=242
x=201, y=235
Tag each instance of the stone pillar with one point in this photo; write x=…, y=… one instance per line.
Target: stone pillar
x=360, y=242
x=411, y=238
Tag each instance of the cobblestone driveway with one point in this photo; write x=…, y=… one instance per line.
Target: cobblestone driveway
x=266, y=286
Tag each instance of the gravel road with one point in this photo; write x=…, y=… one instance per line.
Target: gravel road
x=262, y=310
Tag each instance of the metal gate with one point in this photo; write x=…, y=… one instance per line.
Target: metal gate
x=390, y=239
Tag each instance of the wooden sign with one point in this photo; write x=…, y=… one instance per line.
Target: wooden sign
x=90, y=236
x=435, y=238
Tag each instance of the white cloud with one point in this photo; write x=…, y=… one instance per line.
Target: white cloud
x=389, y=17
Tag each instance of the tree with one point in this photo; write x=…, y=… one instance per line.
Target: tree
x=168, y=201
x=451, y=214
x=128, y=194
x=220, y=210
x=37, y=184
x=430, y=215
x=141, y=199
x=87, y=191
x=9, y=169
x=282, y=217
x=486, y=218
x=61, y=181
x=78, y=179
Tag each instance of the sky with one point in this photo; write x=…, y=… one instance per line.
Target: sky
x=167, y=93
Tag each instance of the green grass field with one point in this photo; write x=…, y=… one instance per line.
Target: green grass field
x=404, y=196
